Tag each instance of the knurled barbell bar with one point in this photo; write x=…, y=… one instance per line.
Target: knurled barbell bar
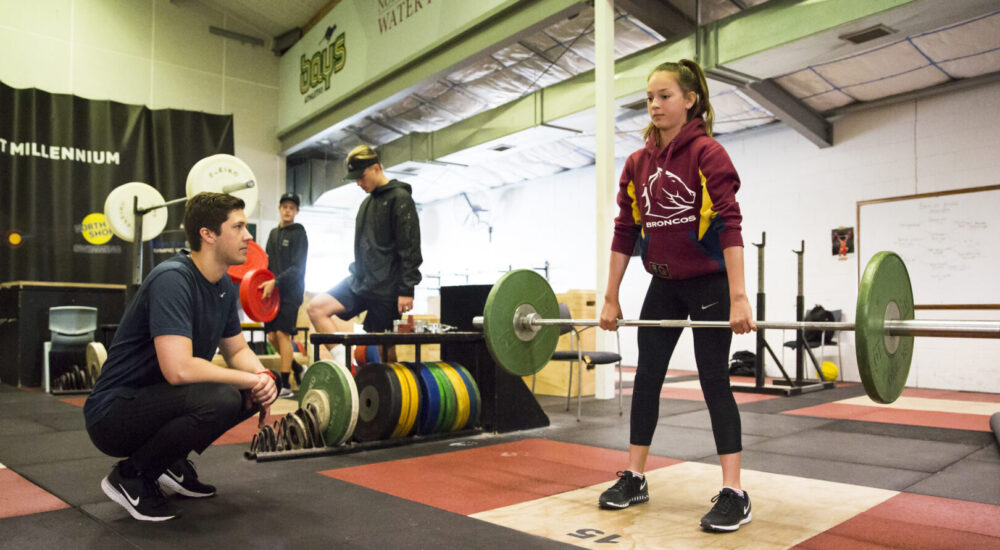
x=520, y=321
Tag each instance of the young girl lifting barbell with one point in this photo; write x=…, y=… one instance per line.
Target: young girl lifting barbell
x=678, y=199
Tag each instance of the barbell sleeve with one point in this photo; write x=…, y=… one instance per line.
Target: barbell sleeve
x=238, y=186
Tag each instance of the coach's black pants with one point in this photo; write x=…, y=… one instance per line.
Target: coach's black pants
x=157, y=425
x=703, y=298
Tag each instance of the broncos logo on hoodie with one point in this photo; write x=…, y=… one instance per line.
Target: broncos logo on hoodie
x=666, y=197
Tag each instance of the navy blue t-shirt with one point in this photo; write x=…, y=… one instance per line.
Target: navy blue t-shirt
x=174, y=299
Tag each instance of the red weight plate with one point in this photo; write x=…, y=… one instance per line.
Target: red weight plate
x=256, y=259
x=360, y=356
x=254, y=304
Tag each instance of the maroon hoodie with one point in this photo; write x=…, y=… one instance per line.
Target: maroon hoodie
x=680, y=202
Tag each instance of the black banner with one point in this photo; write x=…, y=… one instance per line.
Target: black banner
x=60, y=156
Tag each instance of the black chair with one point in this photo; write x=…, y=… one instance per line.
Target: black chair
x=820, y=339
x=582, y=357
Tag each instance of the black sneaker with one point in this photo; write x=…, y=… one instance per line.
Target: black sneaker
x=297, y=371
x=628, y=490
x=181, y=478
x=730, y=511
x=141, y=497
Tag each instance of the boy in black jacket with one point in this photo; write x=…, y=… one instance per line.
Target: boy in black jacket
x=387, y=255
x=286, y=249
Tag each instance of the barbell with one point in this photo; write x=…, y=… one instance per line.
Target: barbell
x=216, y=173
x=521, y=325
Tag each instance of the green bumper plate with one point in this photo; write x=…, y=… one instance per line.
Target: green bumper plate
x=516, y=288
x=449, y=403
x=883, y=361
x=338, y=384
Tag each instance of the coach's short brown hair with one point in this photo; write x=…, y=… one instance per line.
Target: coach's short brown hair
x=208, y=210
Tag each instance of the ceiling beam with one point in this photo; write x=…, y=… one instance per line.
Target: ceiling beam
x=659, y=15
x=764, y=27
x=790, y=110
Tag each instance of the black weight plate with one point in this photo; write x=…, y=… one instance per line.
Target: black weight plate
x=380, y=402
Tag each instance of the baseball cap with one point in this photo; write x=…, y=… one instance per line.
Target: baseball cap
x=290, y=197
x=356, y=167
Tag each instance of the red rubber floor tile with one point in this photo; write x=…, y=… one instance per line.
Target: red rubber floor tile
x=20, y=497
x=909, y=417
x=77, y=401
x=244, y=431
x=486, y=478
x=916, y=521
x=694, y=394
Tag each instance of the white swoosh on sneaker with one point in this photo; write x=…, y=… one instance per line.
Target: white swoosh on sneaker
x=746, y=509
x=133, y=501
x=177, y=478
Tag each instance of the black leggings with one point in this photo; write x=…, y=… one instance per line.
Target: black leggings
x=703, y=298
x=157, y=425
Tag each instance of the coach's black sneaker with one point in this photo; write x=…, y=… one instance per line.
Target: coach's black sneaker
x=181, y=478
x=628, y=490
x=141, y=497
x=730, y=511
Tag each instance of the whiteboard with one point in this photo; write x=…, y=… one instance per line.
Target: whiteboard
x=950, y=242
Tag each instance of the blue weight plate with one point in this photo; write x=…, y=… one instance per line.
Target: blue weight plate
x=430, y=399
x=475, y=401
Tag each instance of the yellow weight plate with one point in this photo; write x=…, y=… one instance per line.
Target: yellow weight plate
x=461, y=393
x=411, y=382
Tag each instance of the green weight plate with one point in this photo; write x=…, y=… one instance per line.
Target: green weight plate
x=884, y=293
x=442, y=394
x=381, y=400
x=451, y=397
x=516, y=288
x=475, y=399
x=449, y=404
x=342, y=395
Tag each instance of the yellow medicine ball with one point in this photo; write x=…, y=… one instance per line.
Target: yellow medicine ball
x=830, y=370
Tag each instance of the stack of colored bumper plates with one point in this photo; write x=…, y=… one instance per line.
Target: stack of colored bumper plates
x=403, y=399
x=329, y=393
x=384, y=401
x=450, y=399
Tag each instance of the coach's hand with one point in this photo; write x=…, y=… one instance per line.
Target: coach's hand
x=265, y=391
